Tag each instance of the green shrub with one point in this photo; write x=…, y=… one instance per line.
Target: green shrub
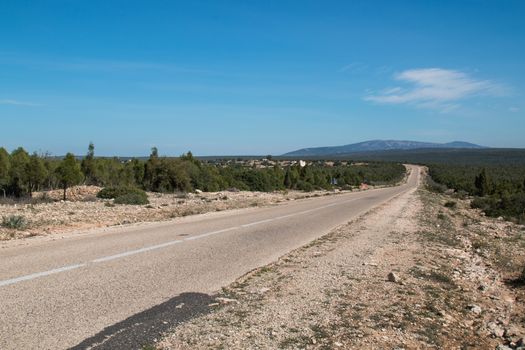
x=510, y=206
x=114, y=192
x=134, y=198
x=461, y=194
x=450, y=204
x=435, y=187
x=305, y=186
x=17, y=222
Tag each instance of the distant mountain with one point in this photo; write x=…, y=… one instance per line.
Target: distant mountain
x=377, y=145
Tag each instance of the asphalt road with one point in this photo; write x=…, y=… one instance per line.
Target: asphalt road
x=119, y=288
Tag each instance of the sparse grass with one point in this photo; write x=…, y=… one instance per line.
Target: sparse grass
x=26, y=200
x=188, y=211
x=301, y=341
x=481, y=244
x=440, y=277
x=521, y=277
x=442, y=238
x=319, y=332
x=16, y=222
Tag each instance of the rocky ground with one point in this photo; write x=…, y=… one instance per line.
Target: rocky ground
x=418, y=272
x=47, y=214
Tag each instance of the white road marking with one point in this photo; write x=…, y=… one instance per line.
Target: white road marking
x=285, y=216
x=159, y=246
x=258, y=222
x=210, y=233
x=136, y=251
x=39, y=274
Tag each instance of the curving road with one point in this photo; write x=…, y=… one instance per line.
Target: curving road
x=119, y=288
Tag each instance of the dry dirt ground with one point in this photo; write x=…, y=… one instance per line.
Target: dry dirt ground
x=411, y=274
x=84, y=210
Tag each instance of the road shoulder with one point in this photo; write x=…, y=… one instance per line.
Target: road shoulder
x=404, y=275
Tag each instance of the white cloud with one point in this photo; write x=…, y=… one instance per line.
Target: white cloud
x=435, y=88
x=17, y=103
x=514, y=109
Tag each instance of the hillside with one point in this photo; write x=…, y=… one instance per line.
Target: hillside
x=378, y=145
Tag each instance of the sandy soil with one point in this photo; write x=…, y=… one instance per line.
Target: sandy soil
x=411, y=274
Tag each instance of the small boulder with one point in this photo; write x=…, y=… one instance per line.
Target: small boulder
x=392, y=277
x=475, y=309
x=503, y=347
x=495, y=330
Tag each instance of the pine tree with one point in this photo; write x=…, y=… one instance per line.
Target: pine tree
x=88, y=165
x=288, y=179
x=68, y=172
x=482, y=183
x=152, y=170
x=17, y=171
x=35, y=173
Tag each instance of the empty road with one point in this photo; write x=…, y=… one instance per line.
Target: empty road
x=120, y=287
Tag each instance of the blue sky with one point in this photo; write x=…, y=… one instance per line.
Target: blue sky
x=258, y=77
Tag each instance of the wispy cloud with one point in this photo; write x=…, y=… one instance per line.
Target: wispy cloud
x=514, y=109
x=17, y=103
x=435, y=88
x=354, y=67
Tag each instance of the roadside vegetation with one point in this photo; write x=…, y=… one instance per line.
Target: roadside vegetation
x=22, y=174
x=499, y=191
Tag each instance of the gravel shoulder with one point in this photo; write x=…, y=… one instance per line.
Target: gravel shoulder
x=409, y=274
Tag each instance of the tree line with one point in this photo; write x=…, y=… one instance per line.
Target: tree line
x=22, y=173
x=499, y=190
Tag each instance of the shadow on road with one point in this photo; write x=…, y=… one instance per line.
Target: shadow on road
x=142, y=328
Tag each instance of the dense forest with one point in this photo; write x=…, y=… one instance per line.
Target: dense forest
x=498, y=190
x=456, y=156
x=22, y=173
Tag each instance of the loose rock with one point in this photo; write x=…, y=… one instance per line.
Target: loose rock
x=392, y=277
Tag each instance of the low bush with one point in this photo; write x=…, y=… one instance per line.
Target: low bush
x=461, y=194
x=17, y=222
x=134, y=198
x=114, y=192
x=510, y=206
x=305, y=186
x=450, y=204
x=435, y=187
